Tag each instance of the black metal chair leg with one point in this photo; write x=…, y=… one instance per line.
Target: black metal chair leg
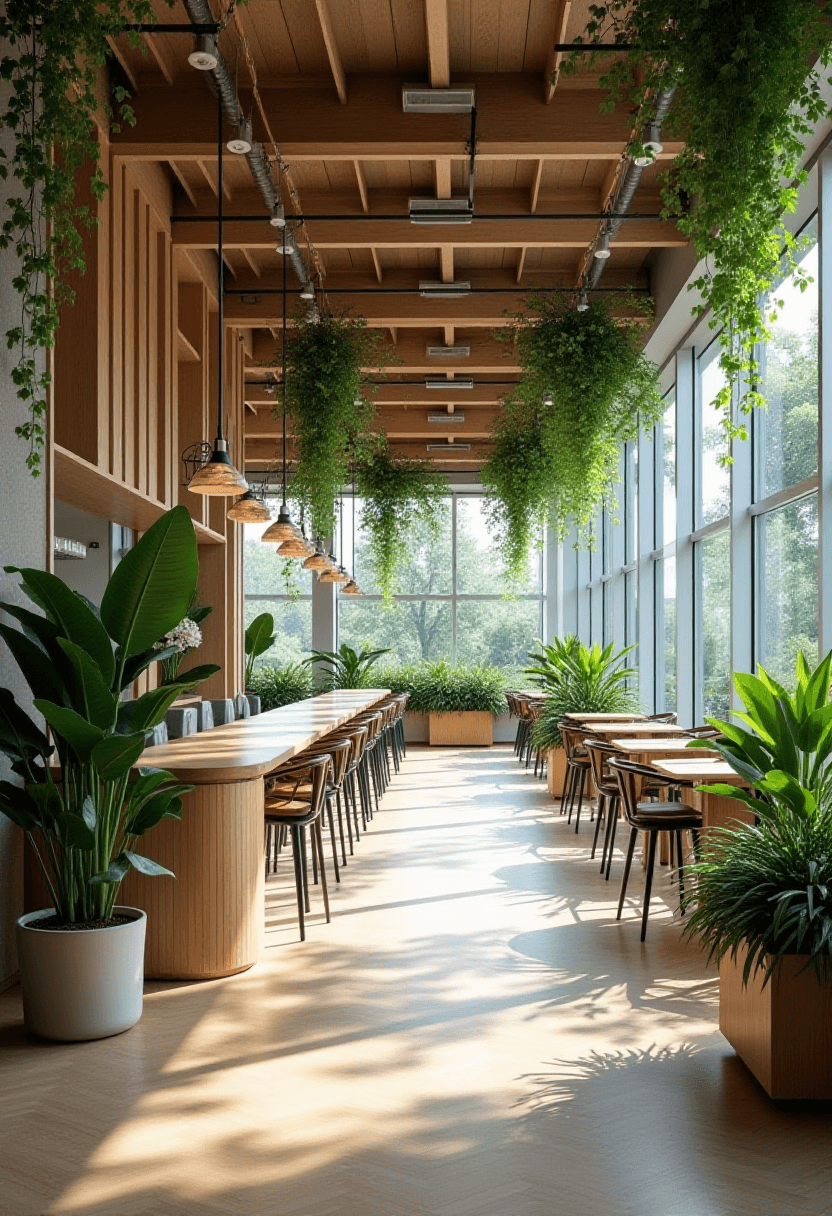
x=317, y=842
x=602, y=798
x=612, y=844
x=299, y=883
x=648, y=882
x=581, y=789
x=331, y=819
x=625, y=876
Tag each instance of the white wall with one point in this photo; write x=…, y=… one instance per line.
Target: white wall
x=90, y=574
x=23, y=527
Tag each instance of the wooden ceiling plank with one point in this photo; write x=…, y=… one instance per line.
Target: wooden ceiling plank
x=538, y=178
x=439, y=54
x=560, y=20
x=250, y=258
x=362, y=185
x=521, y=261
x=161, y=55
x=183, y=182
x=333, y=54
x=123, y=63
x=377, y=264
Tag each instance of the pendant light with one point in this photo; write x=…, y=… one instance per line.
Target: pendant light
x=283, y=530
x=319, y=560
x=250, y=509
x=218, y=476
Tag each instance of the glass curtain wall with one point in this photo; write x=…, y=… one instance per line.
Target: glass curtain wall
x=283, y=588
x=732, y=577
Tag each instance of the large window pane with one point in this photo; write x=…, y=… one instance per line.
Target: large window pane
x=715, y=624
x=714, y=478
x=631, y=503
x=426, y=565
x=788, y=429
x=787, y=587
x=668, y=480
x=669, y=630
x=497, y=633
x=631, y=608
x=292, y=629
x=411, y=629
x=268, y=574
x=479, y=566
x=282, y=587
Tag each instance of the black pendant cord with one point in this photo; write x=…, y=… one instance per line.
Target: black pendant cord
x=353, y=522
x=220, y=272
x=283, y=356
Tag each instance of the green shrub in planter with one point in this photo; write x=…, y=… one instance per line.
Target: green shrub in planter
x=441, y=688
x=276, y=686
x=580, y=679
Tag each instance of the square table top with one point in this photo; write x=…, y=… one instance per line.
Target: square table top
x=634, y=730
x=703, y=770
x=577, y=717
x=661, y=747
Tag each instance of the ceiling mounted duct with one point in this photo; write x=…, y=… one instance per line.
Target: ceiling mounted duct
x=443, y=291
x=449, y=352
x=459, y=382
x=447, y=418
x=449, y=447
x=416, y=99
x=440, y=211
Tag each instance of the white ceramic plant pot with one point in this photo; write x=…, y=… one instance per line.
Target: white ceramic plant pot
x=81, y=983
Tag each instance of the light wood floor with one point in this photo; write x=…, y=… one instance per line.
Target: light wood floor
x=473, y=1035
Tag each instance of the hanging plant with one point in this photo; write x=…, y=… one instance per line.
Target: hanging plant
x=52, y=68
x=331, y=421
x=745, y=100
x=396, y=494
x=586, y=388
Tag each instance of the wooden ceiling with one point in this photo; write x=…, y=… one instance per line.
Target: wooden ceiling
x=323, y=80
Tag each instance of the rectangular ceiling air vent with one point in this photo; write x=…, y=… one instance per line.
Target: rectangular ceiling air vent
x=443, y=291
x=417, y=99
x=440, y=211
x=449, y=352
x=444, y=419
x=449, y=447
x=441, y=385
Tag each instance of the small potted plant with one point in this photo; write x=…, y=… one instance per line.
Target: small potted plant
x=762, y=893
x=460, y=702
x=82, y=801
x=181, y=640
x=577, y=679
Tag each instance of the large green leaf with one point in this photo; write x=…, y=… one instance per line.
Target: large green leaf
x=145, y=865
x=147, y=710
x=90, y=695
x=152, y=586
x=135, y=664
x=81, y=735
x=37, y=628
x=114, y=756
x=193, y=676
x=19, y=806
x=37, y=668
x=19, y=737
x=259, y=635
x=71, y=613
x=164, y=805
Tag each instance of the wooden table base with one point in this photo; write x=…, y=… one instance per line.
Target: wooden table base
x=208, y=921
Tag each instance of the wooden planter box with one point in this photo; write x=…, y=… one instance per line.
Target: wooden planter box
x=556, y=770
x=469, y=729
x=783, y=1032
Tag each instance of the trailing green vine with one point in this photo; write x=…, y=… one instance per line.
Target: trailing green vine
x=746, y=98
x=586, y=387
x=51, y=69
x=396, y=494
x=331, y=420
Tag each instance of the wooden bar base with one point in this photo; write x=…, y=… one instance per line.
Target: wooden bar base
x=208, y=921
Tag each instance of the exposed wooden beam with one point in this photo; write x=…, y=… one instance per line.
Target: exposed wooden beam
x=209, y=172
x=161, y=55
x=124, y=64
x=446, y=263
x=487, y=357
x=377, y=264
x=449, y=340
x=535, y=191
x=372, y=126
x=521, y=261
x=332, y=51
x=183, y=182
x=442, y=176
x=362, y=185
x=250, y=258
x=609, y=182
x=439, y=57
x=560, y=20
x=396, y=423
x=260, y=453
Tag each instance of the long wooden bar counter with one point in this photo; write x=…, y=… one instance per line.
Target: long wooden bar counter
x=208, y=921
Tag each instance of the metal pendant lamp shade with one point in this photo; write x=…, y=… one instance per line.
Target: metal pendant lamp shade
x=282, y=529
x=219, y=476
x=352, y=588
x=319, y=559
x=295, y=546
x=249, y=510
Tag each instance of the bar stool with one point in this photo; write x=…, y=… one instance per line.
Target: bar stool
x=354, y=777
x=606, y=783
x=339, y=753
x=577, y=767
x=650, y=817
x=287, y=809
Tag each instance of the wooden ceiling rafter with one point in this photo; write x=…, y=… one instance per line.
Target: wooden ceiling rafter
x=554, y=59
x=336, y=66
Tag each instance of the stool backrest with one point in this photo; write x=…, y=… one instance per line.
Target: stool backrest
x=572, y=738
x=632, y=780
x=599, y=754
x=315, y=771
x=669, y=718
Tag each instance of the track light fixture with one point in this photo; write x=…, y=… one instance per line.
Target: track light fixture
x=583, y=300
x=205, y=56
x=242, y=141
x=602, y=244
x=652, y=145
x=307, y=292
x=278, y=216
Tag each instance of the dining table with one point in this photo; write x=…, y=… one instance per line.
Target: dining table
x=633, y=730
x=604, y=717
x=645, y=751
x=717, y=810
x=209, y=921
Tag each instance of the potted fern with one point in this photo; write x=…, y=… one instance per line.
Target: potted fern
x=83, y=801
x=762, y=895
x=577, y=679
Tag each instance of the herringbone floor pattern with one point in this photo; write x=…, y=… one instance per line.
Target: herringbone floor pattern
x=473, y=1035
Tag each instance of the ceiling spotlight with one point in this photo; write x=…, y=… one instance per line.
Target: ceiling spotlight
x=583, y=301
x=307, y=292
x=602, y=244
x=278, y=216
x=652, y=145
x=205, y=56
x=285, y=243
x=241, y=142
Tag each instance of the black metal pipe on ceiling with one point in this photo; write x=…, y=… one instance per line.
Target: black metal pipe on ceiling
x=416, y=291
x=363, y=217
